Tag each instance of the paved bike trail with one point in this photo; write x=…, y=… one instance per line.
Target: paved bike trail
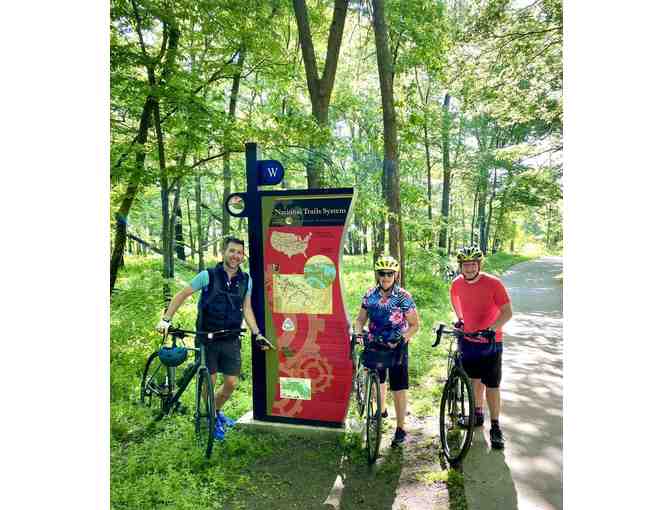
x=528, y=473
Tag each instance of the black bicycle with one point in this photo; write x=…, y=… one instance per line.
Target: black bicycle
x=456, y=417
x=366, y=385
x=163, y=386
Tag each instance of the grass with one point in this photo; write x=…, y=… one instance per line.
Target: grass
x=156, y=465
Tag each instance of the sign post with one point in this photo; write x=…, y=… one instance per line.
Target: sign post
x=296, y=240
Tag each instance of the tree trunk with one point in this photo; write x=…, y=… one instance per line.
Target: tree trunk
x=226, y=180
x=481, y=221
x=171, y=35
x=492, y=199
x=429, y=172
x=319, y=88
x=131, y=191
x=226, y=159
x=173, y=227
x=447, y=173
x=199, y=232
x=378, y=238
x=179, y=235
x=473, y=217
x=192, y=244
x=391, y=142
x=166, y=238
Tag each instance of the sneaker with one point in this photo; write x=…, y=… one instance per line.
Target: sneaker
x=496, y=438
x=399, y=437
x=220, y=431
x=463, y=421
x=224, y=420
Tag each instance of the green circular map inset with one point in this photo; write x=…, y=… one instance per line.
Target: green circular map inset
x=319, y=271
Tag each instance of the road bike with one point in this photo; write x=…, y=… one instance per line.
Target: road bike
x=366, y=387
x=457, y=412
x=162, y=387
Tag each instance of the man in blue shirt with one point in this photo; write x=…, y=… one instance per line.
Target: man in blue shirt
x=224, y=302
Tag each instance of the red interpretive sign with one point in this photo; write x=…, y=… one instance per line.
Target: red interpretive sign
x=308, y=377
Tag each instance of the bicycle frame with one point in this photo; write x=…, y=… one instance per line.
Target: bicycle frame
x=366, y=408
x=200, y=355
x=457, y=401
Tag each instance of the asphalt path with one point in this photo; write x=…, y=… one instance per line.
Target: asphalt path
x=527, y=474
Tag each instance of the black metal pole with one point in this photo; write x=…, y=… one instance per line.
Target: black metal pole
x=253, y=206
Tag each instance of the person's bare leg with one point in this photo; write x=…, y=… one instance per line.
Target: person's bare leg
x=383, y=392
x=479, y=390
x=494, y=402
x=400, y=399
x=225, y=390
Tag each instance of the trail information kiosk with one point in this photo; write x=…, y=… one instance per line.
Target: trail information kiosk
x=296, y=240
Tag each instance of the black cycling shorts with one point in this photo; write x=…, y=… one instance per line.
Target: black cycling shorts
x=223, y=356
x=487, y=369
x=398, y=375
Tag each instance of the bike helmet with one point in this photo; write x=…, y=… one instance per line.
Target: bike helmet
x=172, y=356
x=469, y=253
x=386, y=262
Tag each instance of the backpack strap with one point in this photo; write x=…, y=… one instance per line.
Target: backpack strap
x=213, y=285
x=207, y=294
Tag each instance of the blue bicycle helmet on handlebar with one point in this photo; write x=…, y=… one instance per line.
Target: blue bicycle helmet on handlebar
x=172, y=356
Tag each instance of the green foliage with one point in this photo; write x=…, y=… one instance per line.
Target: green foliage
x=499, y=262
x=455, y=483
x=425, y=280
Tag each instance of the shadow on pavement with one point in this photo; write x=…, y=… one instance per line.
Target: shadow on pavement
x=487, y=478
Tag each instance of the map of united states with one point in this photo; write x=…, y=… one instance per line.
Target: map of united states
x=290, y=244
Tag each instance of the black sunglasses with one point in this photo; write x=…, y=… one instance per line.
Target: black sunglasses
x=385, y=273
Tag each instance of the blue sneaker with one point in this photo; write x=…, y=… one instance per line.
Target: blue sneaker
x=220, y=431
x=224, y=420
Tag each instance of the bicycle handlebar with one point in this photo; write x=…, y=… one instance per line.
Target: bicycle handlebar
x=181, y=333
x=377, y=340
x=457, y=333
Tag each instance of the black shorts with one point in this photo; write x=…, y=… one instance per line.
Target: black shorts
x=223, y=356
x=398, y=374
x=487, y=369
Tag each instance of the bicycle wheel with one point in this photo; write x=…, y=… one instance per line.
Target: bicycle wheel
x=457, y=404
x=156, y=388
x=373, y=417
x=359, y=383
x=204, y=417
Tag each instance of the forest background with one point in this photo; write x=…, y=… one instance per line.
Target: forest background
x=446, y=116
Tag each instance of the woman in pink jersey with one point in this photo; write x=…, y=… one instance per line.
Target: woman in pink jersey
x=481, y=303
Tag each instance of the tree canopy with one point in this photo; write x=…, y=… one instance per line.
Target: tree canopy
x=477, y=96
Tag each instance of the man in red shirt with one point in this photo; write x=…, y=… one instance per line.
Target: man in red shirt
x=481, y=303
